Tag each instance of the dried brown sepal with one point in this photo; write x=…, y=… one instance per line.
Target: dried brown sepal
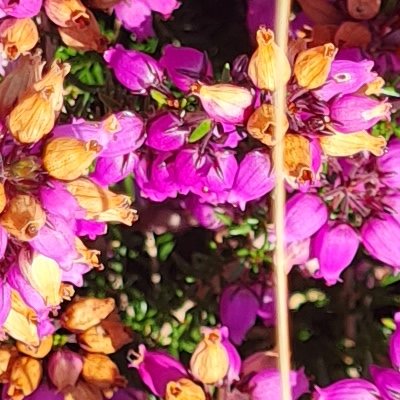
x=322, y=34
x=363, y=9
x=352, y=34
x=40, y=351
x=102, y=4
x=321, y=12
x=85, y=313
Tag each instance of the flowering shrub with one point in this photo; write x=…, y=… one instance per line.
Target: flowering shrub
x=103, y=105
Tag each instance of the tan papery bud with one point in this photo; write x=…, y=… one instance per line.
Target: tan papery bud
x=83, y=391
x=99, y=370
x=67, y=12
x=8, y=354
x=184, y=389
x=297, y=158
x=107, y=337
x=312, y=66
x=210, y=362
x=261, y=124
x=26, y=71
x=40, y=351
x=101, y=204
x=84, y=37
x=348, y=144
x=26, y=374
x=263, y=63
x=18, y=35
x=68, y=158
x=23, y=217
x=21, y=322
x=85, y=313
x=43, y=274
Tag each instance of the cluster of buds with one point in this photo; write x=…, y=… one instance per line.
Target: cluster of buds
x=214, y=364
x=48, y=201
x=88, y=374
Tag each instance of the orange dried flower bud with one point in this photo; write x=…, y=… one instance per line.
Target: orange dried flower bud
x=262, y=67
x=345, y=145
x=8, y=354
x=312, y=66
x=3, y=198
x=18, y=35
x=88, y=256
x=363, y=9
x=83, y=390
x=99, y=370
x=261, y=124
x=27, y=70
x=26, y=374
x=107, y=337
x=69, y=158
x=210, y=362
x=23, y=217
x=297, y=158
x=21, y=322
x=84, y=37
x=66, y=12
x=101, y=204
x=184, y=389
x=40, y=351
x=85, y=313
x=43, y=274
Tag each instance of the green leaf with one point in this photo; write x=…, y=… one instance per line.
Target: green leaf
x=390, y=91
x=200, y=131
x=159, y=97
x=165, y=250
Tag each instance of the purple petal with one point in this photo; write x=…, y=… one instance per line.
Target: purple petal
x=44, y=392
x=92, y=229
x=164, y=7
x=5, y=301
x=204, y=213
x=394, y=344
x=334, y=247
x=22, y=8
x=387, y=382
x=348, y=389
x=389, y=165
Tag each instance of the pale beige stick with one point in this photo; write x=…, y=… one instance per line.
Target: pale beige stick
x=281, y=288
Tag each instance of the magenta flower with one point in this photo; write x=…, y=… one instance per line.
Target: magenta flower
x=129, y=394
x=348, y=389
x=21, y=8
x=44, y=392
x=335, y=247
x=205, y=214
x=135, y=70
x=185, y=66
x=268, y=381
x=388, y=165
x=387, y=382
x=135, y=15
x=156, y=369
x=394, y=344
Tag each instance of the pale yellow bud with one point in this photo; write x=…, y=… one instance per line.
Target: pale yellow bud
x=27, y=70
x=85, y=313
x=210, y=362
x=18, y=35
x=297, y=158
x=23, y=217
x=99, y=370
x=348, y=144
x=40, y=351
x=43, y=274
x=69, y=158
x=107, y=337
x=184, y=389
x=26, y=374
x=263, y=64
x=261, y=124
x=21, y=322
x=312, y=66
x=101, y=204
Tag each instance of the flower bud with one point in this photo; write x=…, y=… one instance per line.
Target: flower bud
x=85, y=36
x=40, y=351
x=85, y=313
x=262, y=66
x=353, y=34
x=69, y=158
x=361, y=9
x=18, y=36
x=21, y=322
x=210, y=362
x=66, y=13
x=107, y=337
x=99, y=370
x=43, y=274
x=8, y=354
x=224, y=102
x=23, y=217
x=101, y=204
x=26, y=168
x=344, y=145
x=184, y=389
x=261, y=124
x=26, y=374
x=297, y=158
x=64, y=368
x=312, y=66
x=83, y=390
